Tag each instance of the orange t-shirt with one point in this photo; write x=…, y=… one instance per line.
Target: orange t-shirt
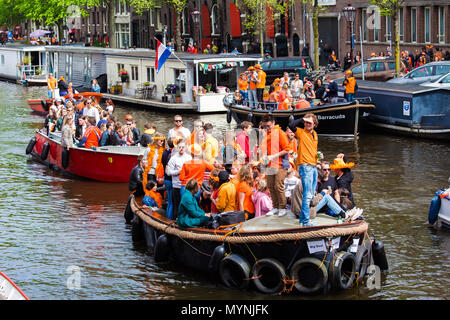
x=252, y=84
x=93, y=135
x=51, y=83
x=194, y=169
x=155, y=196
x=262, y=78
x=243, y=84
x=275, y=142
x=307, y=147
x=248, y=202
x=349, y=84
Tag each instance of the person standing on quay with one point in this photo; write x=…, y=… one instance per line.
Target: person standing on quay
x=306, y=161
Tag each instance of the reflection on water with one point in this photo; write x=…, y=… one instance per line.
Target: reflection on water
x=49, y=222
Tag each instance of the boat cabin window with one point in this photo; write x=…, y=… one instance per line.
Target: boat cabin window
x=424, y=71
x=180, y=79
x=358, y=69
x=442, y=69
x=277, y=64
x=377, y=66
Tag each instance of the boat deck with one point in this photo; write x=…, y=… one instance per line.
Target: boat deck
x=289, y=221
x=151, y=103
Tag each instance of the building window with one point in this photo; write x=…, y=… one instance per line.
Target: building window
x=150, y=17
x=388, y=29
x=180, y=79
x=215, y=19
x=376, y=29
x=122, y=35
x=68, y=71
x=121, y=8
x=105, y=31
x=401, y=23
x=158, y=19
x=441, y=26
x=87, y=68
x=150, y=74
x=427, y=25
x=364, y=24
x=413, y=24
x=120, y=66
x=135, y=73
x=185, y=22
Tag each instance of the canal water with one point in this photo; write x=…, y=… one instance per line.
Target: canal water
x=56, y=230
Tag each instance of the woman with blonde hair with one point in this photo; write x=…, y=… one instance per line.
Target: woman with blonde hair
x=67, y=133
x=245, y=192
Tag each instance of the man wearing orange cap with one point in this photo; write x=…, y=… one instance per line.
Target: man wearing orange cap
x=261, y=82
x=252, y=80
x=243, y=86
x=350, y=86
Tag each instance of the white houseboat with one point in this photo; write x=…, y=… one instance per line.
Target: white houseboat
x=202, y=80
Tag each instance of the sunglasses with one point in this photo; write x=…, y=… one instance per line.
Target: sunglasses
x=178, y=120
x=326, y=169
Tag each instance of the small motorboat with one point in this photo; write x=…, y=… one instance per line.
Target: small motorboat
x=9, y=290
x=109, y=163
x=343, y=119
x=270, y=253
x=439, y=213
x=40, y=106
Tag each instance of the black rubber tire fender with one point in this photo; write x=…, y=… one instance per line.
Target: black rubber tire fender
x=65, y=158
x=234, y=271
x=363, y=259
x=137, y=233
x=342, y=270
x=217, y=256
x=161, y=251
x=268, y=275
x=30, y=146
x=128, y=213
x=45, y=150
x=229, y=116
x=310, y=275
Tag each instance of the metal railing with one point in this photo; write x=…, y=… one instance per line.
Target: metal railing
x=32, y=72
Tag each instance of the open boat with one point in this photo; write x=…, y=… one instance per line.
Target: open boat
x=40, y=106
x=338, y=119
x=273, y=254
x=109, y=164
x=9, y=290
x=439, y=213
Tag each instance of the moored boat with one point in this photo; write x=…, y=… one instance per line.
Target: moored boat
x=439, y=213
x=338, y=119
x=9, y=290
x=270, y=253
x=109, y=164
x=41, y=106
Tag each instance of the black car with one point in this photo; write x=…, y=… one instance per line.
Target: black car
x=274, y=68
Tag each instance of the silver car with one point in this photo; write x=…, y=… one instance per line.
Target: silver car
x=428, y=72
x=441, y=82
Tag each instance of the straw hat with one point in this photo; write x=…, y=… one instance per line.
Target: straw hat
x=340, y=164
x=195, y=149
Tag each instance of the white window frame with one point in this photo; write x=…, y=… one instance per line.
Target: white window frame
x=150, y=72
x=414, y=25
x=388, y=34
x=134, y=72
x=401, y=24
x=184, y=22
x=214, y=20
x=376, y=31
x=441, y=21
x=364, y=24
x=151, y=17
x=105, y=29
x=159, y=25
x=425, y=24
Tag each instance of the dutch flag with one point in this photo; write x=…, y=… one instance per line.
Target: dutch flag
x=162, y=53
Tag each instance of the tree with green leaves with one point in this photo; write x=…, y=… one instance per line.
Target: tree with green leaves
x=10, y=14
x=391, y=8
x=258, y=16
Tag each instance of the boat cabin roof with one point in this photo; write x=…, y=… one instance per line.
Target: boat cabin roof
x=395, y=87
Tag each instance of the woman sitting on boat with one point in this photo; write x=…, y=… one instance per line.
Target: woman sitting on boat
x=226, y=198
x=152, y=198
x=344, y=175
x=189, y=213
x=244, y=191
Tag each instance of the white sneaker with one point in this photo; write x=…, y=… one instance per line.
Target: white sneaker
x=282, y=212
x=272, y=212
x=350, y=213
x=357, y=214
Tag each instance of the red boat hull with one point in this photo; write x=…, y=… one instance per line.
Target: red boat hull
x=36, y=104
x=86, y=163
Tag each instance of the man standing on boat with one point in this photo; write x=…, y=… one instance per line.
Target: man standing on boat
x=306, y=161
x=178, y=131
x=350, y=86
x=276, y=160
x=261, y=83
x=51, y=86
x=252, y=81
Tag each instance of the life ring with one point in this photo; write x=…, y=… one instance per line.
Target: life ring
x=228, y=116
x=342, y=270
x=30, y=146
x=268, y=275
x=45, y=150
x=44, y=104
x=309, y=275
x=435, y=206
x=379, y=256
x=363, y=260
x=128, y=213
x=136, y=229
x=234, y=271
x=162, y=249
x=65, y=158
x=217, y=256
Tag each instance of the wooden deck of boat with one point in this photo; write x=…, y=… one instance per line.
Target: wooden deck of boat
x=289, y=221
x=151, y=103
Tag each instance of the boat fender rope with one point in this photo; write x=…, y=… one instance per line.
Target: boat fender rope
x=286, y=280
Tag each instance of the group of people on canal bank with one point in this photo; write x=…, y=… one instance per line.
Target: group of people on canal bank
x=286, y=93
x=249, y=173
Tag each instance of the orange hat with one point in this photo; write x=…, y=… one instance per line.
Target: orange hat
x=195, y=149
x=251, y=68
x=373, y=54
x=128, y=117
x=258, y=66
x=348, y=72
x=340, y=164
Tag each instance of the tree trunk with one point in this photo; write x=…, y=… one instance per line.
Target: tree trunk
x=111, y=23
x=316, y=35
x=396, y=43
x=178, y=29
x=59, y=24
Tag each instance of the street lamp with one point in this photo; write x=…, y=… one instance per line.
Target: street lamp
x=350, y=14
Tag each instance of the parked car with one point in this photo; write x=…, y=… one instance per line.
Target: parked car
x=375, y=69
x=428, y=72
x=274, y=68
x=441, y=82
